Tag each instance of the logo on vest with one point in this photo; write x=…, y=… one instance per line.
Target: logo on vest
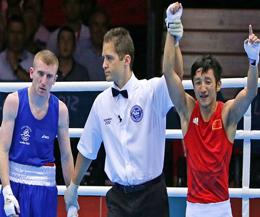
x=217, y=124
x=45, y=136
x=196, y=121
x=107, y=121
x=25, y=135
x=136, y=113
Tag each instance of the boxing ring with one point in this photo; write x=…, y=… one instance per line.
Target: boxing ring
x=245, y=193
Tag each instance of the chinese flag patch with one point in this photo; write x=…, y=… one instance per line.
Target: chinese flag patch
x=216, y=124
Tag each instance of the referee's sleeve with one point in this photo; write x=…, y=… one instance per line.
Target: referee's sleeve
x=90, y=139
x=162, y=100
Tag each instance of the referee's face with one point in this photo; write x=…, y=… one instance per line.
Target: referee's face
x=114, y=68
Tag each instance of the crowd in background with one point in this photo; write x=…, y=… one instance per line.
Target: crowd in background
x=75, y=35
x=74, y=31
x=77, y=44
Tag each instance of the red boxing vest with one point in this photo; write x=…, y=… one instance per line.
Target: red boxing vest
x=208, y=157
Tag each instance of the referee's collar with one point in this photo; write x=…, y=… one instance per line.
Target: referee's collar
x=130, y=85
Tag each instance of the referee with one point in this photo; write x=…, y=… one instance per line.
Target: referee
x=130, y=119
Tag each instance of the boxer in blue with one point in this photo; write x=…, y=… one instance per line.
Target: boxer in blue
x=32, y=118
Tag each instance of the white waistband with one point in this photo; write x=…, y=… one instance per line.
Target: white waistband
x=219, y=209
x=32, y=175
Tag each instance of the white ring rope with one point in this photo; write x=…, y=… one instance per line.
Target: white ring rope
x=172, y=191
x=245, y=192
x=102, y=85
x=177, y=134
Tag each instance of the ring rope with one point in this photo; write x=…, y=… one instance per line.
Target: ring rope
x=245, y=192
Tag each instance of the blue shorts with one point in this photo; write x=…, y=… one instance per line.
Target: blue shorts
x=34, y=201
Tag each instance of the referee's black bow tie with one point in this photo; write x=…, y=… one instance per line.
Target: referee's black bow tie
x=116, y=92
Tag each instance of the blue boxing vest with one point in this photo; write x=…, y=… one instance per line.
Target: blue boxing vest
x=33, y=140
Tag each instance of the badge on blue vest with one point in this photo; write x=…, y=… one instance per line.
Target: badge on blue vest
x=136, y=113
x=25, y=135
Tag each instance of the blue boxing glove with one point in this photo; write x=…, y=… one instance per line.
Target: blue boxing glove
x=173, y=21
x=252, y=47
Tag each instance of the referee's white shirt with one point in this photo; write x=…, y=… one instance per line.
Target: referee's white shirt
x=132, y=130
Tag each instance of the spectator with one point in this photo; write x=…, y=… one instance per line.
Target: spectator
x=15, y=60
x=134, y=15
x=72, y=9
x=2, y=32
x=87, y=6
x=69, y=69
x=37, y=34
x=99, y=23
x=13, y=8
